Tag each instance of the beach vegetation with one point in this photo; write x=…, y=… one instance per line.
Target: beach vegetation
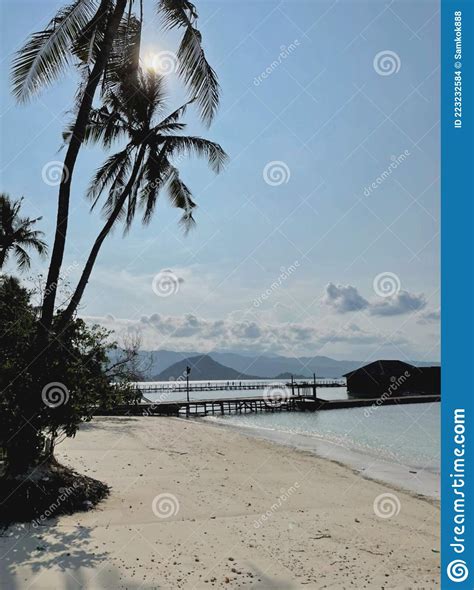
x=18, y=234
x=44, y=402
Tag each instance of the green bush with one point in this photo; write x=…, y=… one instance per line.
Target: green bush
x=48, y=390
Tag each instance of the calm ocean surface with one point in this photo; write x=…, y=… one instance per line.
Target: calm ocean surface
x=396, y=444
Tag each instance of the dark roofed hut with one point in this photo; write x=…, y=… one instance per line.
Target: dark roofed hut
x=394, y=378
x=428, y=380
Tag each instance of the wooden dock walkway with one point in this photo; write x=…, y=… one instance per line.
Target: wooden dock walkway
x=206, y=407
x=199, y=387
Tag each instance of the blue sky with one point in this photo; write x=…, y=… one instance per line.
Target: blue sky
x=319, y=263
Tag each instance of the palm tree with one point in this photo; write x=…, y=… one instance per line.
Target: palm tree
x=135, y=175
x=17, y=234
x=41, y=60
x=100, y=35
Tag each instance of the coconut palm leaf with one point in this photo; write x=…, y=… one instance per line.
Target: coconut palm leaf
x=177, y=13
x=125, y=54
x=157, y=170
x=46, y=54
x=88, y=43
x=104, y=127
x=193, y=66
x=116, y=164
x=197, y=74
x=172, y=120
x=17, y=234
x=189, y=145
x=22, y=257
x=181, y=198
x=34, y=241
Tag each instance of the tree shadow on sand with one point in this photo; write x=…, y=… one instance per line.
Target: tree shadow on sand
x=27, y=552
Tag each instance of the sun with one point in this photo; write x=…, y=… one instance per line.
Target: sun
x=149, y=61
x=161, y=62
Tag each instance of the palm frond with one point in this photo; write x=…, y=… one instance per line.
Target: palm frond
x=88, y=42
x=124, y=56
x=116, y=190
x=46, y=53
x=107, y=173
x=193, y=68
x=174, y=117
x=169, y=128
x=17, y=233
x=199, y=146
x=153, y=90
x=177, y=13
x=22, y=257
x=156, y=174
x=104, y=126
x=132, y=203
x=34, y=241
x=181, y=197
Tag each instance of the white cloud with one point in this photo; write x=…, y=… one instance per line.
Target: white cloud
x=400, y=303
x=190, y=332
x=346, y=299
x=430, y=317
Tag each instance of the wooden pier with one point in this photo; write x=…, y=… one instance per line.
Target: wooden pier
x=199, y=387
x=242, y=405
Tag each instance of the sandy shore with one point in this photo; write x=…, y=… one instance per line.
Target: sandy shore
x=198, y=506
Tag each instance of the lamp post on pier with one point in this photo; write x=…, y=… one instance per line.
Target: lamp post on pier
x=188, y=370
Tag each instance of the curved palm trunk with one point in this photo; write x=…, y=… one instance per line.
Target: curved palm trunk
x=86, y=273
x=74, y=146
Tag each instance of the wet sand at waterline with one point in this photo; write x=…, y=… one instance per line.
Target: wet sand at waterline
x=194, y=505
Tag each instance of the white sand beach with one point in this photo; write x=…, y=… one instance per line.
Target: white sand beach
x=232, y=512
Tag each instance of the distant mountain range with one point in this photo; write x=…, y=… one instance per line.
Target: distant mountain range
x=203, y=368
x=251, y=365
